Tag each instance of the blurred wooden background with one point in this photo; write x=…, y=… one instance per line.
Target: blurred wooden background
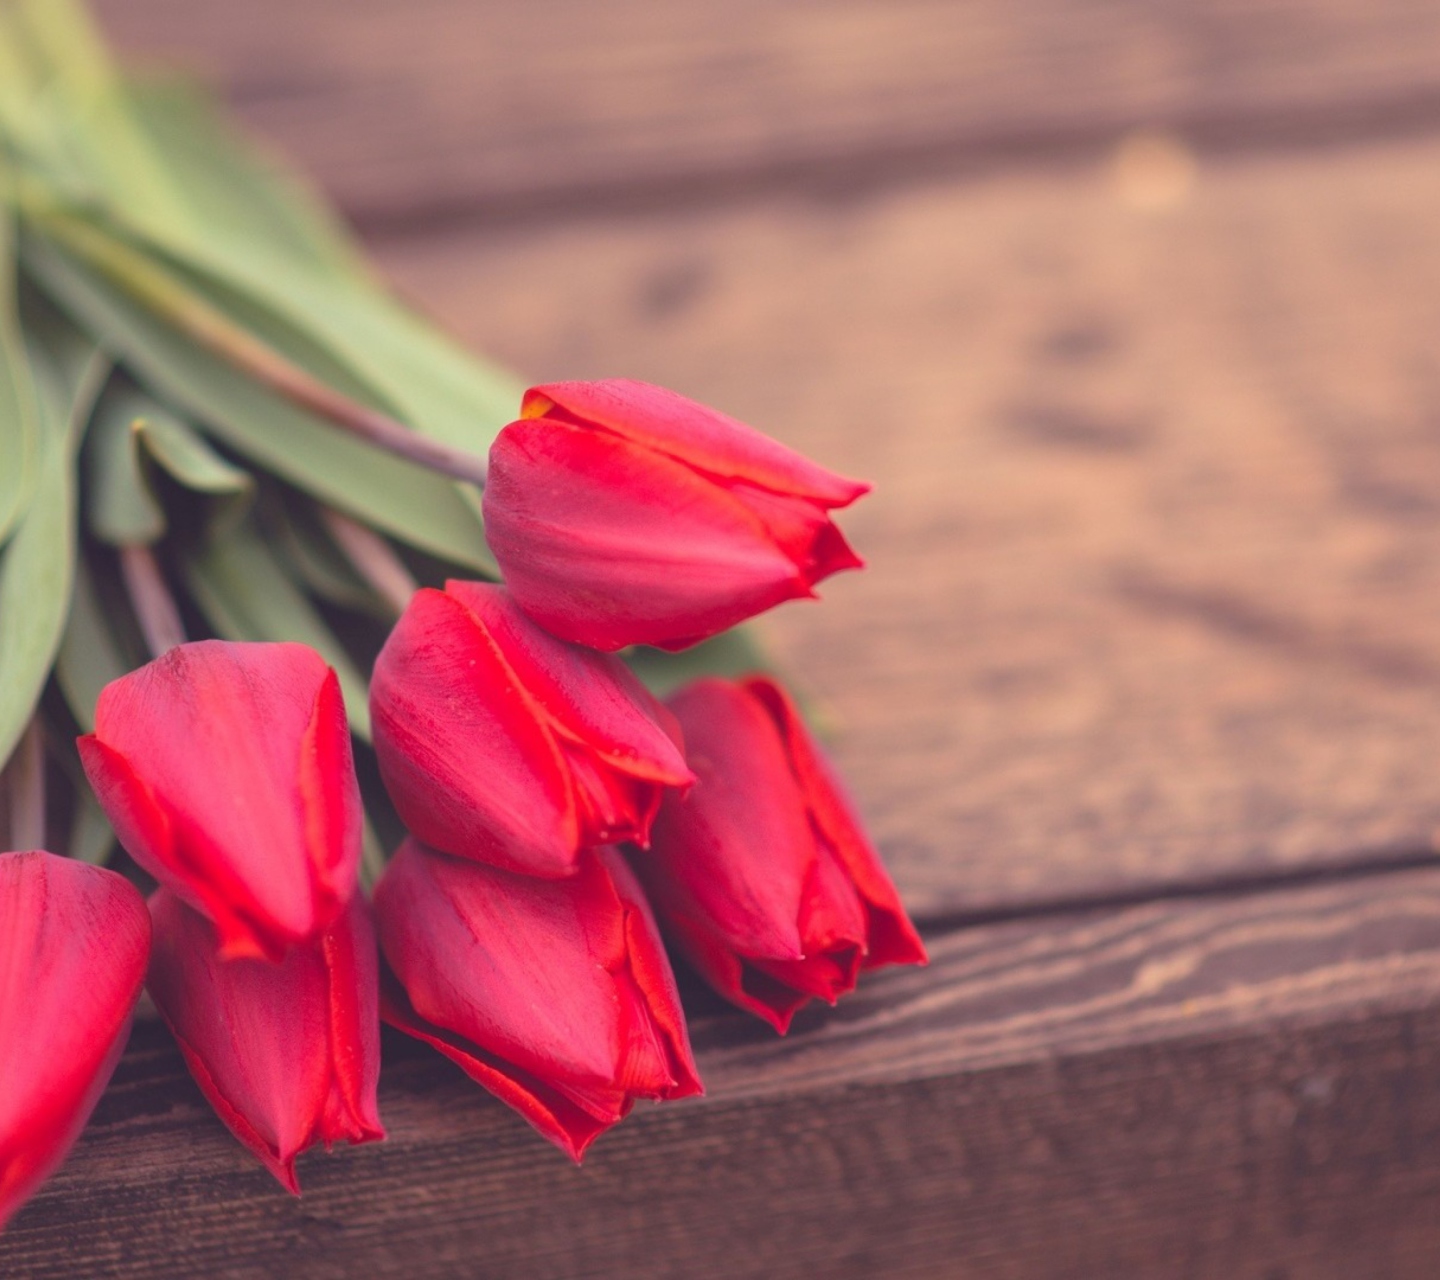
x=1132, y=312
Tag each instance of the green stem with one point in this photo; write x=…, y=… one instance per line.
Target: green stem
x=168, y=297
x=372, y=858
x=373, y=559
x=155, y=608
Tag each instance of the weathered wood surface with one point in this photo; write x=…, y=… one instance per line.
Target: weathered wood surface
x=519, y=107
x=1145, y=675
x=1154, y=595
x=1230, y=1088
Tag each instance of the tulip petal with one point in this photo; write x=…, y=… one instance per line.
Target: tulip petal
x=202, y=876
x=521, y=964
x=287, y=1053
x=802, y=531
x=618, y=743
x=502, y=744
x=833, y=930
x=762, y=876
x=469, y=767
x=332, y=815
x=621, y=513
x=737, y=850
x=654, y=979
x=589, y=698
x=352, y=965
x=555, y=995
x=605, y=543
x=235, y=744
x=826, y=976
x=694, y=433
x=554, y=1116
x=735, y=977
x=36, y=1146
x=74, y=940
x=892, y=936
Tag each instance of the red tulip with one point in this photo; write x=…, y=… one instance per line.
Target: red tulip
x=622, y=513
x=73, y=945
x=762, y=875
x=226, y=771
x=554, y=994
x=500, y=743
x=288, y=1054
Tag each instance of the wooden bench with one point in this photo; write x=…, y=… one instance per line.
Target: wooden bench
x=1132, y=313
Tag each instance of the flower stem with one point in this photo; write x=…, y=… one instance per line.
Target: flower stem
x=165, y=294
x=26, y=779
x=373, y=559
x=372, y=858
x=155, y=608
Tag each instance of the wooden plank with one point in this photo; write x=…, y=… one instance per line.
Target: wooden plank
x=1234, y=1087
x=1154, y=595
x=1153, y=608
x=409, y=108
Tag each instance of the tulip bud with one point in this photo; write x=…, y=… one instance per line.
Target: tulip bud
x=556, y=995
x=288, y=1054
x=622, y=513
x=226, y=771
x=500, y=743
x=73, y=945
x=762, y=875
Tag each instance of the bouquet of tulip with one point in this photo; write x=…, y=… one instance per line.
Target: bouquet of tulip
x=214, y=422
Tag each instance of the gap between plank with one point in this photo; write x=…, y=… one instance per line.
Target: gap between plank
x=1239, y=884
x=898, y=164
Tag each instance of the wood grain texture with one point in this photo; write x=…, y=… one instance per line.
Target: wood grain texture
x=1206, y=1088
x=408, y=108
x=1154, y=593
x=1154, y=607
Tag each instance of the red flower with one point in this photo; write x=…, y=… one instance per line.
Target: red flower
x=554, y=994
x=288, y=1054
x=73, y=944
x=762, y=875
x=622, y=513
x=225, y=770
x=500, y=743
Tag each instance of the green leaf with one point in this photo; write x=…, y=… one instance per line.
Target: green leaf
x=311, y=557
x=90, y=655
x=69, y=368
x=246, y=595
x=36, y=139
x=37, y=566
x=416, y=505
x=253, y=243
x=91, y=836
x=230, y=182
x=412, y=370
x=122, y=509
x=732, y=653
x=86, y=115
x=372, y=855
x=129, y=430
x=258, y=236
x=186, y=457
x=19, y=430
